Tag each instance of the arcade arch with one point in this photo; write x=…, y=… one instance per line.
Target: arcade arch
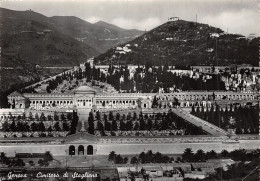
x=72, y=150
x=81, y=150
x=90, y=150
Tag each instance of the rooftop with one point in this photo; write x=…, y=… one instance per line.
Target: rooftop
x=85, y=88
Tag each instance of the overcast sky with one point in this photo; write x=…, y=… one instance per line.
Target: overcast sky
x=236, y=16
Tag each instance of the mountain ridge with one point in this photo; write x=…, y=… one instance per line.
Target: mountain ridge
x=100, y=35
x=91, y=34
x=185, y=43
x=35, y=40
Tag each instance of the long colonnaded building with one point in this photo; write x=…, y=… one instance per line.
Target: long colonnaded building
x=85, y=99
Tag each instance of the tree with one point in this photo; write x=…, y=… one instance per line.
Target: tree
x=36, y=117
x=41, y=127
x=5, y=126
x=200, y=156
x=57, y=126
x=111, y=116
x=26, y=127
x=30, y=116
x=122, y=126
x=129, y=125
x=193, y=110
x=42, y=117
x=74, y=123
x=49, y=118
x=47, y=156
x=178, y=159
x=142, y=157
x=155, y=102
x=156, y=125
x=134, y=116
x=34, y=127
x=4, y=159
x=117, y=116
x=149, y=124
x=224, y=154
x=65, y=126
x=19, y=162
x=13, y=127
x=50, y=129
x=91, y=123
x=119, y=159
x=20, y=127
x=10, y=114
x=136, y=126
x=42, y=162
x=24, y=116
x=19, y=117
x=142, y=124
x=187, y=155
x=125, y=160
x=212, y=154
x=114, y=125
x=128, y=116
x=176, y=102
x=140, y=115
x=100, y=126
x=238, y=155
x=107, y=126
x=198, y=111
x=69, y=116
x=62, y=117
x=112, y=156
x=105, y=117
x=56, y=117
x=134, y=160
x=98, y=115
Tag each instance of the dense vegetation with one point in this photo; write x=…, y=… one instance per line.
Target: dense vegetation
x=132, y=122
x=236, y=155
x=18, y=161
x=44, y=126
x=148, y=79
x=186, y=43
x=244, y=119
x=188, y=156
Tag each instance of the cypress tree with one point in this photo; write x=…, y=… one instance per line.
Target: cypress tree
x=91, y=123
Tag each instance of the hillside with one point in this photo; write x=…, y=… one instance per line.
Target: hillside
x=185, y=43
x=100, y=35
x=28, y=38
x=58, y=40
x=38, y=42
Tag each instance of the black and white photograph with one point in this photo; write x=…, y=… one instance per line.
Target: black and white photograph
x=129, y=90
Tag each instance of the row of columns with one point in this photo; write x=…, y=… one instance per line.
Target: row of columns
x=47, y=102
x=205, y=97
x=116, y=103
x=85, y=102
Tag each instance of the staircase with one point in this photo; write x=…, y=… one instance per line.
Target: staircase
x=206, y=126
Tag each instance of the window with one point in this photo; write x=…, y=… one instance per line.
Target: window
x=90, y=150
